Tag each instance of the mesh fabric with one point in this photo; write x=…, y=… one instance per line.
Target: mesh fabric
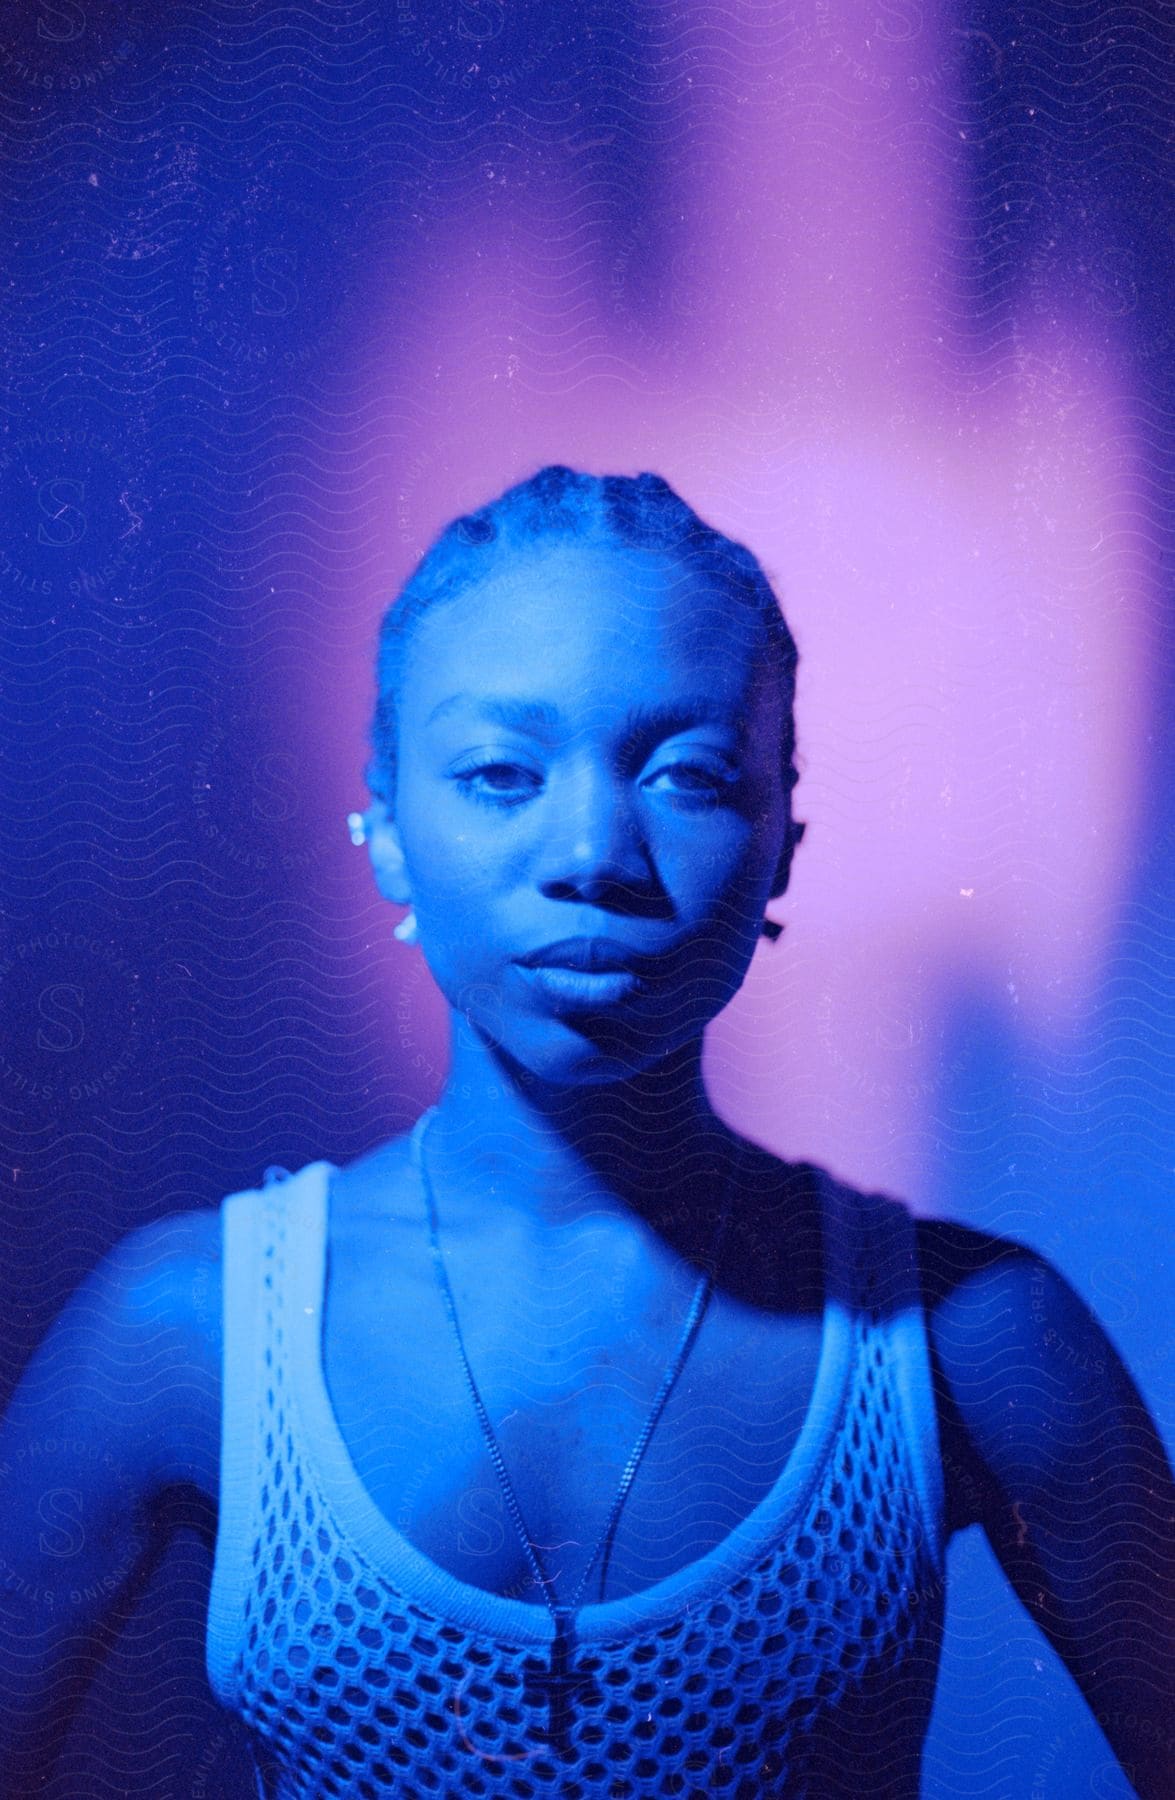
x=808, y=1672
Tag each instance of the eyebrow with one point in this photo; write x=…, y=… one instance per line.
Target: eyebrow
x=541, y=716
x=521, y=713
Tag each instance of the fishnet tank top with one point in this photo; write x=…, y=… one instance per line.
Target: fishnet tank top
x=797, y=1658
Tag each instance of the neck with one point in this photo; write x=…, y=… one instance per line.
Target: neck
x=651, y=1145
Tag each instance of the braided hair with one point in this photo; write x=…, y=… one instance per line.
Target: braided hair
x=633, y=511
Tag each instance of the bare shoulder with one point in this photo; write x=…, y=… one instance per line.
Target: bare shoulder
x=125, y=1387
x=111, y=1439
x=155, y=1299
x=965, y=1270
x=147, y=1324
x=159, y=1284
x=164, y=1262
x=1024, y=1371
x=1049, y=1446
x=977, y=1291
x=989, y=1297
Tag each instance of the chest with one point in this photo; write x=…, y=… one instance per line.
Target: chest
x=568, y=1359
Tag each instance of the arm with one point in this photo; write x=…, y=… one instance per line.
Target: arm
x=1053, y=1452
x=116, y=1417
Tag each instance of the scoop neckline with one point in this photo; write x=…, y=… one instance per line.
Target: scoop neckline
x=370, y=1533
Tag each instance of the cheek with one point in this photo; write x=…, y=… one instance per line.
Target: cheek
x=450, y=896
x=719, y=862
x=455, y=880
x=441, y=846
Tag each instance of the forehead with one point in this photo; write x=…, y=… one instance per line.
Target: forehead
x=593, y=619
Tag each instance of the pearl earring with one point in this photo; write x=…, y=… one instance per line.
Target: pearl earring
x=357, y=826
x=406, y=930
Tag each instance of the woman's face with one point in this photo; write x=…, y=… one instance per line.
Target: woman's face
x=589, y=749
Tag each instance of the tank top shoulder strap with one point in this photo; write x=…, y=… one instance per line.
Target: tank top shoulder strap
x=272, y=1248
x=889, y=1291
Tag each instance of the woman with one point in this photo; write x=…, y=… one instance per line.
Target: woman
x=572, y=1444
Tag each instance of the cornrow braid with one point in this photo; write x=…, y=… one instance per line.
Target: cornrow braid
x=635, y=511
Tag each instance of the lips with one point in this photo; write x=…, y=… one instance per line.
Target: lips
x=591, y=955
x=588, y=974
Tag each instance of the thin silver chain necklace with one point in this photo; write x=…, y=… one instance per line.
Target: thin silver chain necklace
x=560, y=1684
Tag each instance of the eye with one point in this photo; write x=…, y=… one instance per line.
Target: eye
x=498, y=783
x=697, y=784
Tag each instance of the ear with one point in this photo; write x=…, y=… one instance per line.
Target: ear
x=795, y=831
x=387, y=855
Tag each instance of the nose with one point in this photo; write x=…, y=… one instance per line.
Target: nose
x=594, y=847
